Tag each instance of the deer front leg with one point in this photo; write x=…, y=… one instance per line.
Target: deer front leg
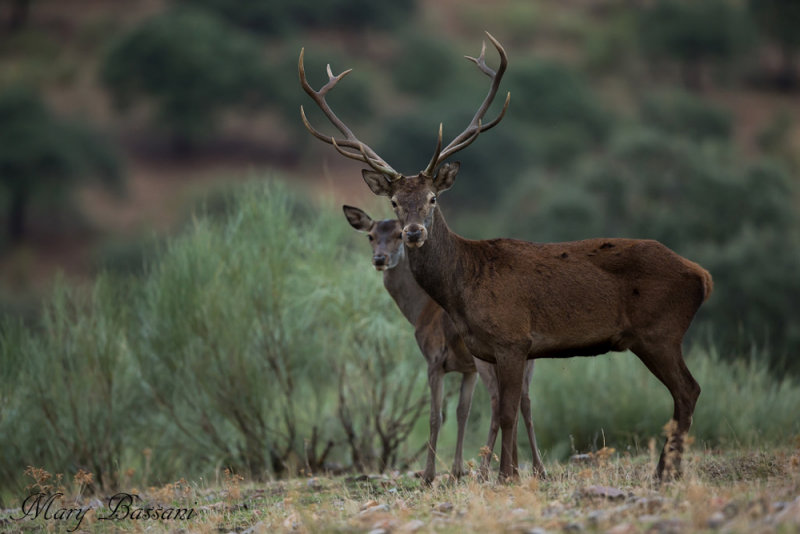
x=436, y=384
x=462, y=414
x=510, y=370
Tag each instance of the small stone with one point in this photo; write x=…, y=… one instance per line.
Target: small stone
x=412, y=526
x=668, y=526
x=605, y=492
x=716, y=520
x=622, y=528
x=445, y=507
x=374, y=509
x=368, y=504
x=595, y=516
x=314, y=483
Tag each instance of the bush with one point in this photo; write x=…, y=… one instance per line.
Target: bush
x=190, y=66
x=738, y=221
x=682, y=114
x=640, y=405
x=694, y=33
x=546, y=94
x=44, y=156
x=282, y=16
x=78, y=401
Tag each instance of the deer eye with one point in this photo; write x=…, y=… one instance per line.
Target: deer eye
x=433, y=201
x=369, y=236
x=394, y=204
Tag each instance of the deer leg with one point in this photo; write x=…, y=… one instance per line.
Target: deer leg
x=510, y=370
x=488, y=375
x=525, y=408
x=462, y=414
x=667, y=364
x=436, y=383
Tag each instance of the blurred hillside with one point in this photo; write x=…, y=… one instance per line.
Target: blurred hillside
x=668, y=119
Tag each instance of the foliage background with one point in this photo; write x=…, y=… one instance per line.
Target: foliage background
x=178, y=309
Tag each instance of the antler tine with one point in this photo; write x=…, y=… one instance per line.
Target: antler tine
x=432, y=165
x=476, y=126
x=367, y=155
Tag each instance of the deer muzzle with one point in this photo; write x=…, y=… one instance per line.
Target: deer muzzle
x=379, y=261
x=414, y=235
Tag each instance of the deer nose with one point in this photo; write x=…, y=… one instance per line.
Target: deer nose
x=413, y=233
x=379, y=260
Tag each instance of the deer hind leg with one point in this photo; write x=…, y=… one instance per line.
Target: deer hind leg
x=525, y=407
x=667, y=364
x=436, y=384
x=510, y=371
x=462, y=414
x=488, y=375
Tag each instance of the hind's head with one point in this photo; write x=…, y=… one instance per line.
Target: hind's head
x=385, y=237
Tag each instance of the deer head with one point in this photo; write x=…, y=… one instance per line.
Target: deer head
x=384, y=237
x=413, y=197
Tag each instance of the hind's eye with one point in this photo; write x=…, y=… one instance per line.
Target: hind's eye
x=370, y=237
x=433, y=200
x=394, y=204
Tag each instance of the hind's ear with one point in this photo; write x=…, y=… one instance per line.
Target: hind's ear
x=357, y=218
x=377, y=182
x=445, y=176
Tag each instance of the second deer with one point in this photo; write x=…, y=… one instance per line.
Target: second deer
x=440, y=344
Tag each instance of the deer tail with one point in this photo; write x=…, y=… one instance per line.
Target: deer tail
x=708, y=283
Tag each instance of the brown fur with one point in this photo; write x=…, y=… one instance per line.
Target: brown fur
x=512, y=300
x=440, y=344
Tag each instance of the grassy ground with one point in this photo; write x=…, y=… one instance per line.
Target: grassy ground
x=729, y=491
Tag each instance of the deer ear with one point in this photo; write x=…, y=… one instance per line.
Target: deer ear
x=377, y=182
x=357, y=218
x=445, y=176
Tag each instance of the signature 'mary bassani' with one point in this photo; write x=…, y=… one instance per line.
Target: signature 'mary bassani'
x=513, y=300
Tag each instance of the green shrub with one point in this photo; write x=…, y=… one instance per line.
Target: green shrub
x=43, y=156
x=614, y=400
x=282, y=16
x=683, y=114
x=736, y=220
x=77, y=400
x=190, y=66
x=694, y=33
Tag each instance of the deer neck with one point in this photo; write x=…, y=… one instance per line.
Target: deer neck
x=404, y=289
x=435, y=264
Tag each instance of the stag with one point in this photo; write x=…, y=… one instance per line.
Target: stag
x=512, y=300
x=440, y=344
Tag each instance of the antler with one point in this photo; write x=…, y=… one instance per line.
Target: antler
x=365, y=153
x=476, y=126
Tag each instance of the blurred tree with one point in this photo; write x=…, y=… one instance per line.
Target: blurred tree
x=681, y=113
x=19, y=13
x=779, y=21
x=41, y=154
x=273, y=17
x=694, y=33
x=738, y=221
x=191, y=66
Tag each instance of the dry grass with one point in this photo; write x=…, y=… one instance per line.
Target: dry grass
x=739, y=491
